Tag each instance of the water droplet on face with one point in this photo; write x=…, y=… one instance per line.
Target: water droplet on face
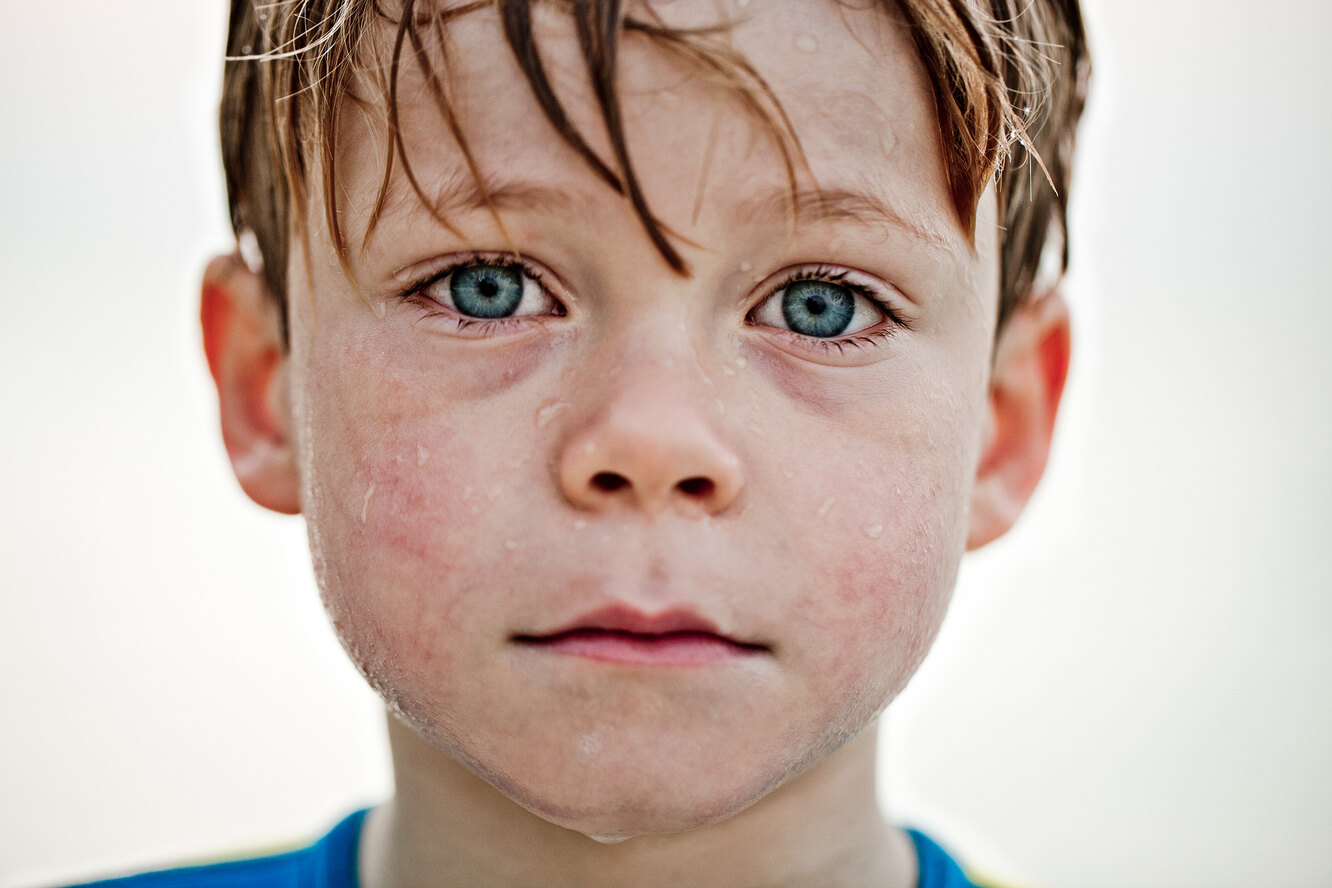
x=547, y=413
x=741, y=4
x=825, y=506
x=746, y=265
x=365, y=504
x=493, y=494
x=721, y=405
x=807, y=43
x=787, y=473
x=872, y=530
x=511, y=544
x=609, y=840
x=741, y=362
x=421, y=455
x=580, y=524
x=467, y=492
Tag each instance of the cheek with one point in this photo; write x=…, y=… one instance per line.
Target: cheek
x=403, y=490
x=882, y=522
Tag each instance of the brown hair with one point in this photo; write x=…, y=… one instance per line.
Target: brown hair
x=1009, y=79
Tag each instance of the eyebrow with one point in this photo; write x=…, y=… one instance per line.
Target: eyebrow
x=813, y=205
x=461, y=193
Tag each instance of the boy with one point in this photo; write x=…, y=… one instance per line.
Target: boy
x=642, y=373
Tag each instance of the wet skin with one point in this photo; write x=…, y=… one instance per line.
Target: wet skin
x=646, y=441
x=632, y=552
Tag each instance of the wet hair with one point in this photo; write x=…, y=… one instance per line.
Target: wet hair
x=1009, y=80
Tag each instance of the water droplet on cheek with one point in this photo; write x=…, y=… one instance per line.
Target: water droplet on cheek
x=511, y=544
x=580, y=524
x=365, y=504
x=548, y=412
x=422, y=455
x=825, y=506
x=807, y=43
x=746, y=266
x=872, y=530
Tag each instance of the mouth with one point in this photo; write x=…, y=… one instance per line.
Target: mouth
x=630, y=637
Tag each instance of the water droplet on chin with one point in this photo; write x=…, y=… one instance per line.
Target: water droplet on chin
x=807, y=43
x=825, y=506
x=609, y=840
x=872, y=530
x=421, y=455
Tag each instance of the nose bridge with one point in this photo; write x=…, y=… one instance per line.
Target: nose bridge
x=651, y=435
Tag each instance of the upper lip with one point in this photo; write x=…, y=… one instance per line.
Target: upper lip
x=622, y=618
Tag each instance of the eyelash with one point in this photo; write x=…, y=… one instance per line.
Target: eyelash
x=414, y=294
x=839, y=276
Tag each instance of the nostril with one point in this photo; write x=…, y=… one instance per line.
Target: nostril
x=696, y=486
x=609, y=481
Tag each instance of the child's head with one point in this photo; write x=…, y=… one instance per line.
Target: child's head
x=636, y=369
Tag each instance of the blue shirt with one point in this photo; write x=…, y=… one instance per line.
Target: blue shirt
x=331, y=863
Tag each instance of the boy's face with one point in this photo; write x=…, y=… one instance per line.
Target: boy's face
x=500, y=508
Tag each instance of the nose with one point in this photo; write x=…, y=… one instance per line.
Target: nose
x=651, y=450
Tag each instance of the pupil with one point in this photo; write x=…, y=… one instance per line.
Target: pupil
x=487, y=291
x=818, y=308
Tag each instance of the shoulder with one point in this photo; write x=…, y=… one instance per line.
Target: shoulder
x=328, y=863
x=937, y=868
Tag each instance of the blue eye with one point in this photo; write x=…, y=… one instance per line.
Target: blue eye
x=817, y=308
x=817, y=304
x=486, y=291
x=490, y=290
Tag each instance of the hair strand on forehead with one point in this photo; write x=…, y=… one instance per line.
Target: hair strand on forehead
x=1008, y=78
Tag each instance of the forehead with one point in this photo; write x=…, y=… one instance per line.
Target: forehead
x=847, y=82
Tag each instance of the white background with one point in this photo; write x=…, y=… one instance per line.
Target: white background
x=1134, y=688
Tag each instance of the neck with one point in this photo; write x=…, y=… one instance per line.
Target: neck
x=446, y=828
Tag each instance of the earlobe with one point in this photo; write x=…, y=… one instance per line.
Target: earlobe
x=243, y=343
x=1031, y=364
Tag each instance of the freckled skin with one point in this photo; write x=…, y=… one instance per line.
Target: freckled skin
x=424, y=592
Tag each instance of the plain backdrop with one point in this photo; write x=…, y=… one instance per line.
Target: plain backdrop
x=1134, y=688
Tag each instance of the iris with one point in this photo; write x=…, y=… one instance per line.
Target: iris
x=817, y=308
x=486, y=291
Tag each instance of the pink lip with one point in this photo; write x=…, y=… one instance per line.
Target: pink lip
x=619, y=634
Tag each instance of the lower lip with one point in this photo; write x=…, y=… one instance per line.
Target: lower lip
x=672, y=649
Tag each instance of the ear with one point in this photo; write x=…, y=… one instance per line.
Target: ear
x=242, y=337
x=1030, y=366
